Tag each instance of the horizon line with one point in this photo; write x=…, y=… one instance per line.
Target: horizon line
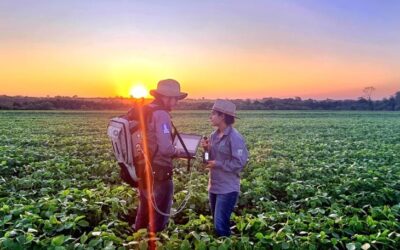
x=201, y=98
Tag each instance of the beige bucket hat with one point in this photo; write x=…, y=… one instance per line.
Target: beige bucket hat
x=169, y=88
x=226, y=107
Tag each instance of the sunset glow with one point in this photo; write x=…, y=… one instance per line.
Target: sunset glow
x=138, y=91
x=215, y=49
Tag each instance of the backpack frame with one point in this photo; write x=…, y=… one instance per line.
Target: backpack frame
x=126, y=136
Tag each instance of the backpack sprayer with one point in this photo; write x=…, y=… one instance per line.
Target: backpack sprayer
x=127, y=134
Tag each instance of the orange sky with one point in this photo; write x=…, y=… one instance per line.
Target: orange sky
x=222, y=59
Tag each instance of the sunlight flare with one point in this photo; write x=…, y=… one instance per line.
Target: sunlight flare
x=138, y=91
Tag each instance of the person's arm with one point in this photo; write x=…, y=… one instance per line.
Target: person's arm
x=162, y=122
x=239, y=156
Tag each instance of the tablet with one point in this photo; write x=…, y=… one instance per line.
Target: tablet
x=191, y=141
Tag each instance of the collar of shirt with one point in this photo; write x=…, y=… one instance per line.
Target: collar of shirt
x=159, y=103
x=227, y=131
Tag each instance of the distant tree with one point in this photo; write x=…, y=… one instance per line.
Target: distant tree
x=368, y=91
x=16, y=105
x=363, y=104
x=397, y=101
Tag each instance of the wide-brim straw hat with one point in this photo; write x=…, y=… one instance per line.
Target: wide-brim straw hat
x=168, y=88
x=226, y=107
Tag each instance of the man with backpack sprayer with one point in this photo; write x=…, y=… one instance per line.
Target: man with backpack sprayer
x=143, y=144
x=158, y=137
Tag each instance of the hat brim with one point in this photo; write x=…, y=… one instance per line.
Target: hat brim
x=234, y=115
x=181, y=95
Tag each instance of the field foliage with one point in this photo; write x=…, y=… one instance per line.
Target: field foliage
x=315, y=180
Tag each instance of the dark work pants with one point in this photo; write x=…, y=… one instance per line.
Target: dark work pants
x=221, y=209
x=163, y=194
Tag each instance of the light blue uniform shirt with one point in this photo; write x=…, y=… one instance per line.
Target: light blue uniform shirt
x=230, y=155
x=162, y=129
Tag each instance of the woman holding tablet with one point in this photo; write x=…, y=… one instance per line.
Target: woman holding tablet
x=228, y=156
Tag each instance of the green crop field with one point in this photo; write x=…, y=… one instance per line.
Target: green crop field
x=315, y=180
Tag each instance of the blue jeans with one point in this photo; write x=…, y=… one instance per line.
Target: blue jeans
x=163, y=194
x=221, y=209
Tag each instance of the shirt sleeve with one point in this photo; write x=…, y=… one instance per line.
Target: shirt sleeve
x=163, y=128
x=239, y=156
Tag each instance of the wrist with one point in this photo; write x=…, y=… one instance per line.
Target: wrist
x=218, y=163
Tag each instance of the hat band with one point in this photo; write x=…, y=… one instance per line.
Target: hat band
x=224, y=111
x=168, y=93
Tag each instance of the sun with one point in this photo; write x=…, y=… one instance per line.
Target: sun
x=138, y=91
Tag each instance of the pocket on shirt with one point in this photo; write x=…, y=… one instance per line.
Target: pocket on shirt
x=225, y=150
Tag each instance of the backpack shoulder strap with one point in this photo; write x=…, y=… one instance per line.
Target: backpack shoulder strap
x=183, y=145
x=149, y=110
x=148, y=117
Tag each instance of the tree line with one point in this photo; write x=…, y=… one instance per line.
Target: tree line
x=391, y=103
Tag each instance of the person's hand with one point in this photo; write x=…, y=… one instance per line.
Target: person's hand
x=204, y=143
x=210, y=164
